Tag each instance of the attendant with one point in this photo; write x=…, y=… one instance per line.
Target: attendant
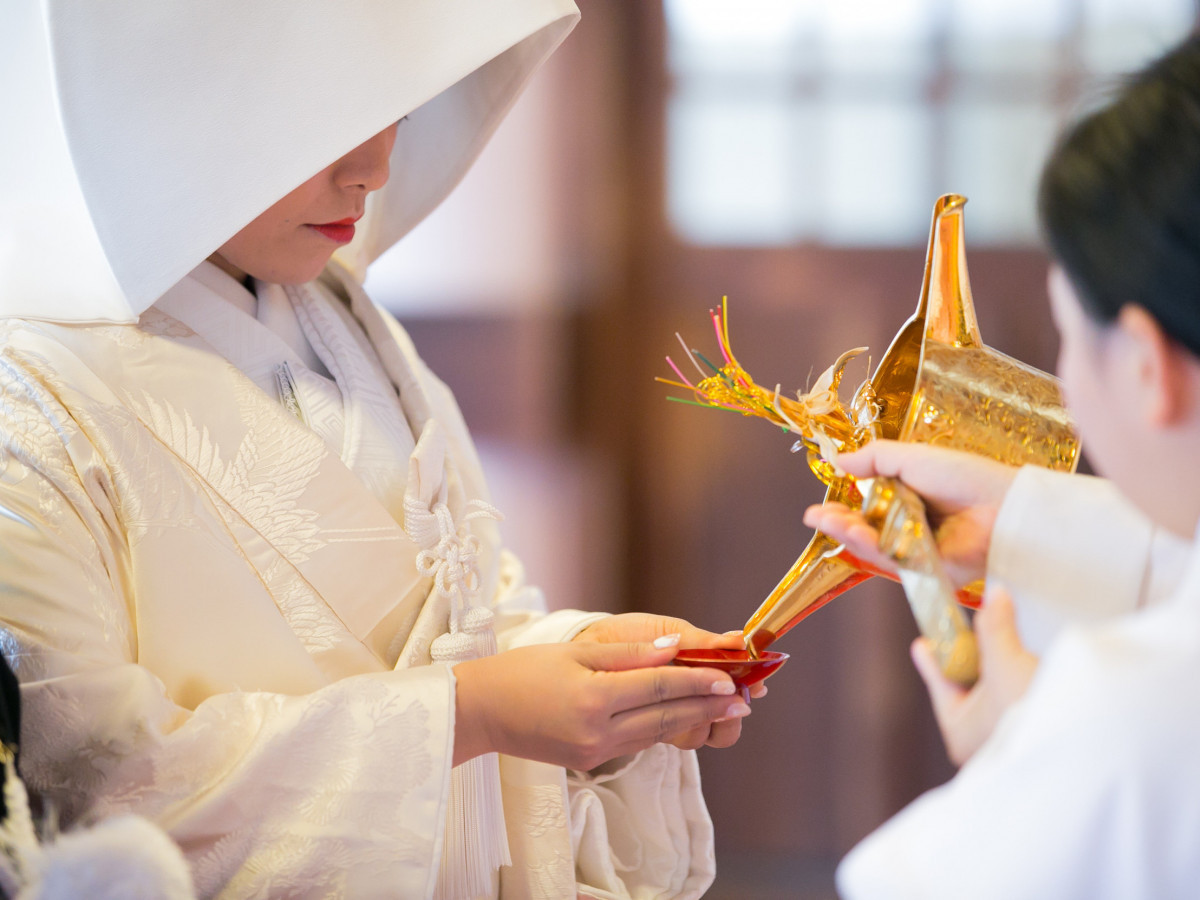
x=1081, y=768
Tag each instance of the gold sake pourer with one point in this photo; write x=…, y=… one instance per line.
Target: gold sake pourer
x=937, y=383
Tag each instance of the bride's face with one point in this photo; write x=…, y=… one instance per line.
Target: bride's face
x=292, y=241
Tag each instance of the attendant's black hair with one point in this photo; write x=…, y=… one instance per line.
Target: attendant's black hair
x=1119, y=200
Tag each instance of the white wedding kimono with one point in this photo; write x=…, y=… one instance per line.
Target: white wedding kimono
x=219, y=620
x=227, y=536
x=1090, y=786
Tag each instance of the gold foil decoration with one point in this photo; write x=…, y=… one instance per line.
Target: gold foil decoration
x=906, y=538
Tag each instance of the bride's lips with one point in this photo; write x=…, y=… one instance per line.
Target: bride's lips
x=340, y=232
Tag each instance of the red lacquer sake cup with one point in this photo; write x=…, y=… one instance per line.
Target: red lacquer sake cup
x=744, y=669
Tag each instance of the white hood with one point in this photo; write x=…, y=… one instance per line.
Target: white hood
x=139, y=136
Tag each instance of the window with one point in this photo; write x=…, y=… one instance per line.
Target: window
x=840, y=122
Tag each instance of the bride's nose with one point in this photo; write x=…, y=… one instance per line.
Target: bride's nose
x=366, y=165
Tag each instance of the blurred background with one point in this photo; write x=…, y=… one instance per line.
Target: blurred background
x=785, y=154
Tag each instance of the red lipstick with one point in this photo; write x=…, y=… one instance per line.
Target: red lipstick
x=340, y=232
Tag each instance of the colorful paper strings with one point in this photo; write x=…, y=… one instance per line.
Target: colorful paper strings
x=825, y=426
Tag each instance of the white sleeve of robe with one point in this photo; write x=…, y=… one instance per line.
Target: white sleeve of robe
x=1071, y=549
x=1088, y=790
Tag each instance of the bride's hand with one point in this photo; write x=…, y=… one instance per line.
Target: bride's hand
x=582, y=703
x=648, y=627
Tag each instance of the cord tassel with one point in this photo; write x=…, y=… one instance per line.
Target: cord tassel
x=476, y=842
x=479, y=623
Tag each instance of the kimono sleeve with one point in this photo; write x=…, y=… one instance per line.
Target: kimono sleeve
x=1071, y=549
x=339, y=791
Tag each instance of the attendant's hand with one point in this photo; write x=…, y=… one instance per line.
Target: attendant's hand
x=647, y=627
x=583, y=703
x=962, y=494
x=967, y=718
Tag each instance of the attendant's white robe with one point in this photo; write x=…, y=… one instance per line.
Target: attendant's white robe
x=1090, y=786
x=219, y=626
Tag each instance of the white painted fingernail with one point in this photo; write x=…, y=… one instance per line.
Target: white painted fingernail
x=667, y=640
x=737, y=710
x=723, y=687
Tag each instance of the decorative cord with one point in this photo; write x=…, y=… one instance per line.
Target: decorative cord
x=476, y=844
